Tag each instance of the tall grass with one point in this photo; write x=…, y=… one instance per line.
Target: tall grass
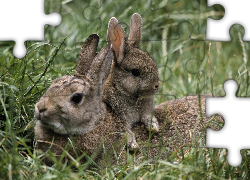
x=187, y=65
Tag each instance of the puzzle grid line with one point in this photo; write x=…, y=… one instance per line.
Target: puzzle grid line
x=210, y=33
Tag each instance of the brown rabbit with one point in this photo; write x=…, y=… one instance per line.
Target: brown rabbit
x=133, y=79
x=72, y=112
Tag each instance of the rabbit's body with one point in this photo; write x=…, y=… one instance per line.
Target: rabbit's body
x=179, y=122
x=133, y=79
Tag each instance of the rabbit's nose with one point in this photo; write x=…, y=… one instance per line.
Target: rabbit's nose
x=156, y=86
x=42, y=110
x=39, y=112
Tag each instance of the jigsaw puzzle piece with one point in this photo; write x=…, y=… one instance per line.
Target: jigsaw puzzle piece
x=190, y=45
x=193, y=55
x=92, y=12
x=27, y=24
x=182, y=57
x=151, y=148
x=235, y=112
x=95, y=12
x=155, y=21
x=233, y=64
x=230, y=61
x=195, y=12
x=41, y=71
x=190, y=161
x=182, y=122
x=219, y=30
x=197, y=156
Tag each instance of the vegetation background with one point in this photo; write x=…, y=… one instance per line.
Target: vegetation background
x=173, y=33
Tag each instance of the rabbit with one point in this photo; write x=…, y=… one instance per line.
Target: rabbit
x=133, y=79
x=59, y=108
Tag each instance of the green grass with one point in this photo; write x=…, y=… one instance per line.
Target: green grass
x=186, y=66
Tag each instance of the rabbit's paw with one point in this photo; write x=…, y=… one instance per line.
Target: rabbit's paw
x=154, y=126
x=132, y=144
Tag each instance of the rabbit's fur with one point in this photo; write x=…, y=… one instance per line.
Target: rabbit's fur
x=95, y=129
x=133, y=79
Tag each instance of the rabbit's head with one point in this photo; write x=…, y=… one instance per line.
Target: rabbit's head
x=134, y=71
x=72, y=104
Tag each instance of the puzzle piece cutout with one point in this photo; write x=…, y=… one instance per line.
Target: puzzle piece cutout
x=232, y=135
x=218, y=30
x=215, y=77
x=27, y=24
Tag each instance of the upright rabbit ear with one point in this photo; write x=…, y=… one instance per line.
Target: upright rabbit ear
x=100, y=67
x=135, y=34
x=117, y=37
x=87, y=54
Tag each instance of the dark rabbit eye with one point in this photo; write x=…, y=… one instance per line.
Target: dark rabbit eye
x=76, y=98
x=135, y=72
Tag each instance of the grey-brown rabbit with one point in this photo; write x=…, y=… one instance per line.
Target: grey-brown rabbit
x=65, y=107
x=133, y=79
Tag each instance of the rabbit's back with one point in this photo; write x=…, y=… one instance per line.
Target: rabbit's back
x=181, y=121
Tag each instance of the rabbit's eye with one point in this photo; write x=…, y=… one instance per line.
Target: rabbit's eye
x=76, y=98
x=135, y=72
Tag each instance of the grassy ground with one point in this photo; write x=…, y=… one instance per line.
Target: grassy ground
x=186, y=66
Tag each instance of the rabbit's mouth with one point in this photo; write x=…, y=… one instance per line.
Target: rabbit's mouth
x=55, y=126
x=146, y=93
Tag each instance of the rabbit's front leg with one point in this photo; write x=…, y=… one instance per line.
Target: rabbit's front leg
x=132, y=144
x=151, y=122
x=128, y=120
x=147, y=116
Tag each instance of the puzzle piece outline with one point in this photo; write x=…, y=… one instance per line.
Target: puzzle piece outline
x=215, y=138
x=219, y=30
x=167, y=67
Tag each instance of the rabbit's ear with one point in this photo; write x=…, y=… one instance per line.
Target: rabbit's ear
x=100, y=67
x=106, y=66
x=117, y=37
x=87, y=54
x=135, y=34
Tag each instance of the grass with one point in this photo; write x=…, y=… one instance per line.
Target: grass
x=186, y=66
